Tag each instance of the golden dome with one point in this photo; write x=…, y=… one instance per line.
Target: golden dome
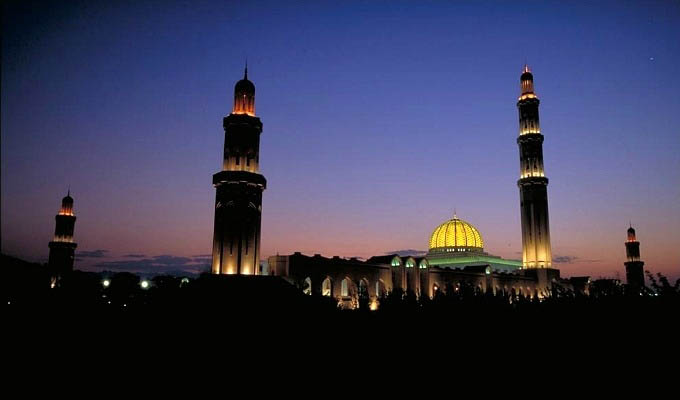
x=456, y=235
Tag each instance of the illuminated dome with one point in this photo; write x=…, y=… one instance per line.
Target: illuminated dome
x=456, y=235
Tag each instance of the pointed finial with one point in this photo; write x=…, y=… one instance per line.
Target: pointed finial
x=68, y=193
x=526, y=68
x=630, y=223
x=454, y=213
x=246, y=74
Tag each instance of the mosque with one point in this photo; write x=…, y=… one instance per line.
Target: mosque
x=456, y=253
x=455, y=257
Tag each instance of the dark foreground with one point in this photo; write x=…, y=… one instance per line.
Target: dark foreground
x=268, y=311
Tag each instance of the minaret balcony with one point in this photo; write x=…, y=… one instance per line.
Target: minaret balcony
x=239, y=177
x=533, y=180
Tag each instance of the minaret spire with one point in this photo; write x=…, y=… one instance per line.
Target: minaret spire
x=533, y=185
x=244, y=95
x=634, y=267
x=62, y=247
x=238, y=202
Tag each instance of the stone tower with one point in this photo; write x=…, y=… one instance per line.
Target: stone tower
x=533, y=185
x=238, y=204
x=634, y=273
x=62, y=247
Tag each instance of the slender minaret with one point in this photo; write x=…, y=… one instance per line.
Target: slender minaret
x=533, y=185
x=238, y=205
x=62, y=247
x=634, y=274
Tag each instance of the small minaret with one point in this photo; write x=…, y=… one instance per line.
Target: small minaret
x=238, y=204
x=62, y=247
x=533, y=185
x=634, y=272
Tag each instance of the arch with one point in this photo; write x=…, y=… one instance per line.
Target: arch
x=396, y=261
x=327, y=287
x=363, y=288
x=424, y=264
x=410, y=262
x=380, y=290
x=307, y=286
x=344, y=287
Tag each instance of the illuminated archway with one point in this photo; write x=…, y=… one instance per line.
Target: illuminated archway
x=344, y=287
x=327, y=287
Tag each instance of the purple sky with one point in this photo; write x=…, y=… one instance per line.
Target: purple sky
x=379, y=119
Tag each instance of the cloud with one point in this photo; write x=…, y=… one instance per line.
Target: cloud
x=203, y=259
x=407, y=253
x=135, y=255
x=168, y=260
x=162, y=264
x=92, y=253
x=564, y=259
x=571, y=259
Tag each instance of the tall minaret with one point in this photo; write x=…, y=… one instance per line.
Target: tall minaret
x=634, y=274
x=62, y=247
x=238, y=205
x=533, y=185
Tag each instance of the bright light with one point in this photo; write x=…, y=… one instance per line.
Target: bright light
x=144, y=284
x=106, y=283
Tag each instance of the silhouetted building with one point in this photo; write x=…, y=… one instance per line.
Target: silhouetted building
x=238, y=204
x=62, y=247
x=533, y=185
x=634, y=272
x=580, y=284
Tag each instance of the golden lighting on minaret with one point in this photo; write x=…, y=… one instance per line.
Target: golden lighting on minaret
x=244, y=96
x=67, y=205
x=536, y=250
x=529, y=122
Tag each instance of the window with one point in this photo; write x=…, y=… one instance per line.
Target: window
x=326, y=288
x=307, y=286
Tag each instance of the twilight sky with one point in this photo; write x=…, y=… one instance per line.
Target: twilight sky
x=379, y=118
